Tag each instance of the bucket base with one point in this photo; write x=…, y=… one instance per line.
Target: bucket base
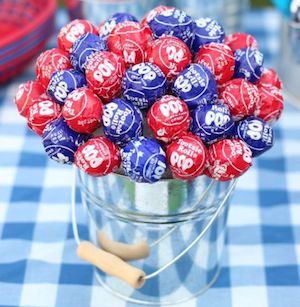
x=159, y=301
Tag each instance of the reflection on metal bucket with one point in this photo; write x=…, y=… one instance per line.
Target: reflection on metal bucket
x=168, y=223
x=289, y=62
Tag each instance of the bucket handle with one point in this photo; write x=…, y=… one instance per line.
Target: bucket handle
x=114, y=265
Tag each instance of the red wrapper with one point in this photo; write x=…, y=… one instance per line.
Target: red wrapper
x=26, y=94
x=104, y=73
x=270, y=106
x=228, y=159
x=130, y=40
x=240, y=40
x=170, y=54
x=98, y=156
x=151, y=14
x=83, y=111
x=72, y=31
x=187, y=157
x=43, y=111
x=219, y=59
x=169, y=118
x=269, y=78
x=50, y=61
x=241, y=96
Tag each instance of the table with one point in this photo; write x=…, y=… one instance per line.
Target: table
x=38, y=264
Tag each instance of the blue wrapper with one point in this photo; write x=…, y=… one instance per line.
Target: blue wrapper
x=111, y=22
x=84, y=48
x=248, y=64
x=122, y=121
x=63, y=82
x=195, y=85
x=256, y=133
x=207, y=30
x=212, y=122
x=61, y=142
x=144, y=160
x=175, y=23
x=143, y=84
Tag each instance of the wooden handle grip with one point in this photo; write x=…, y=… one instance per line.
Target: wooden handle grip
x=124, y=251
x=111, y=264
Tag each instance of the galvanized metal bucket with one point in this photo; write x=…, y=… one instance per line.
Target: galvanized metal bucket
x=289, y=60
x=180, y=224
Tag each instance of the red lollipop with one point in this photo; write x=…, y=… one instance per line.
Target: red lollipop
x=43, y=111
x=187, y=157
x=219, y=59
x=269, y=78
x=169, y=118
x=170, y=54
x=240, y=40
x=50, y=61
x=72, y=31
x=241, y=96
x=228, y=159
x=26, y=93
x=130, y=40
x=270, y=106
x=104, y=73
x=151, y=14
x=83, y=110
x=98, y=156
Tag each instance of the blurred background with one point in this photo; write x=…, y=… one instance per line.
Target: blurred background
x=27, y=25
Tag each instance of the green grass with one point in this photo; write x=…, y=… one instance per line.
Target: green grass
x=261, y=3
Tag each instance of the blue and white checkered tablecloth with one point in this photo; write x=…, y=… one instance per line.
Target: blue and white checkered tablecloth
x=38, y=264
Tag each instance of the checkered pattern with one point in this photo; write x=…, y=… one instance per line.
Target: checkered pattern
x=38, y=264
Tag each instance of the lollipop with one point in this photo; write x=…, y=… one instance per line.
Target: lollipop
x=170, y=54
x=269, y=78
x=104, y=73
x=186, y=157
x=61, y=142
x=195, y=85
x=43, y=111
x=169, y=118
x=219, y=59
x=49, y=62
x=207, y=30
x=256, y=133
x=84, y=48
x=248, y=64
x=270, y=105
x=63, y=82
x=144, y=160
x=130, y=40
x=228, y=159
x=241, y=96
x=108, y=25
x=240, y=40
x=212, y=122
x=143, y=84
x=154, y=12
x=175, y=23
x=26, y=94
x=72, y=31
x=97, y=157
x=122, y=121
x=82, y=110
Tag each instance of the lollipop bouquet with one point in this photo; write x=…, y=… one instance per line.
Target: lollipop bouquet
x=164, y=97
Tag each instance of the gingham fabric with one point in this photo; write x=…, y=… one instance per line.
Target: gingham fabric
x=38, y=264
